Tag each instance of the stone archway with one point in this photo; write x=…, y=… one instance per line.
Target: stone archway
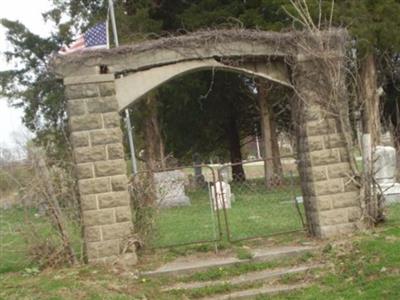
x=96, y=93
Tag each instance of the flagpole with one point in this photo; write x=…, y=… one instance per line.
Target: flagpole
x=127, y=116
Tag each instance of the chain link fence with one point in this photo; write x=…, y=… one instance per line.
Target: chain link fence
x=174, y=207
x=205, y=204
x=261, y=206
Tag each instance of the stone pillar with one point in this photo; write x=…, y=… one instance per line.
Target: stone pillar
x=96, y=139
x=331, y=199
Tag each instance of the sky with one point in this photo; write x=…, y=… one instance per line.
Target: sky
x=28, y=12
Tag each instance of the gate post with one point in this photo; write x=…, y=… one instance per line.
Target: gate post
x=96, y=139
x=331, y=199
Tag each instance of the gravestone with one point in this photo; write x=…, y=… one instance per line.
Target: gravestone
x=170, y=188
x=385, y=174
x=221, y=195
x=198, y=171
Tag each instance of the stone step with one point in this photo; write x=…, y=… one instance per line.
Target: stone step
x=251, y=277
x=187, y=265
x=254, y=293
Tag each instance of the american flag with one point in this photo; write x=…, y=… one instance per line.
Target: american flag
x=95, y=37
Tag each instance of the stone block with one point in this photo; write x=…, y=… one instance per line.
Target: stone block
x=336, y=230
x=110, y=167
x=354, y=214
x=92, y=250
x=94, y=186
x=106, y=136
x=328, y=187
x=315, y=143
x=343, y=200
x=350, y=186
x=80, y=139
x=334, y=141
x=344, y=155
x=84, y=171
x=108, y=248
x=116, y=231
x=81, y=91
x=317, y=173
x=107, y=89
x=115, y=151
x=98, y=217
x=76, y=107
x=324, y=157
x=111, y=120
x=339, y=170
x=123, y=214
x=93, y=78
x=321, y=127
x=113, y=199
x=320, y=203
x=88, y=202
x=312, y=113
x=333, y=217
x=89, y=154
x=119, y=183
x=92, y=234
x=102, y=105
x=86, y=122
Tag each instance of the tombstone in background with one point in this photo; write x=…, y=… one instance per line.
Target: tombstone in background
x=221, y=195
x=385, y=176
x=170, y=189
x=198, y=172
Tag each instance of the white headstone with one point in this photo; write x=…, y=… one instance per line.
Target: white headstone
x=170, y=188
x=385, y=173
x=221, y=195
x=385, y=164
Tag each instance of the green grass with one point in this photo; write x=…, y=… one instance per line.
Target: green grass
x=256, y=212
x=13, y=254
x=16, y=227
x=364, y=267
x=369, y=269
x=393, y=213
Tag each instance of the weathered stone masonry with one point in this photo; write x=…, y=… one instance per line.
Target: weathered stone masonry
x=331, y=199
x=96, y=138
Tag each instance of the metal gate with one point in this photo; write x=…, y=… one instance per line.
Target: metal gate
x=210, y=203
x=259, y=206
x=174, y=207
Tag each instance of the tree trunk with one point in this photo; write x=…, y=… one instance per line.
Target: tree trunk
x=371, y=131
x=235, y=150
x=370, y=98
x=272, y=164
x=276, y=155
x=154, y=144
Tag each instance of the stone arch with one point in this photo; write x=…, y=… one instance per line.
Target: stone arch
x=135, y=85
x=96, y=94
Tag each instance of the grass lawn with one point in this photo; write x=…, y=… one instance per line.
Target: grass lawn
x=14, y=232
x=255, y=212
x=13, y=254
x=366, y=266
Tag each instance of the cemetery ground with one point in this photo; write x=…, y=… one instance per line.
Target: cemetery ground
x=364, y=266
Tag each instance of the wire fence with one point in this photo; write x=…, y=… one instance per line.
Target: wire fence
x=174, y=207
x=209, y=203
x=260, y=205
